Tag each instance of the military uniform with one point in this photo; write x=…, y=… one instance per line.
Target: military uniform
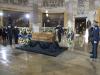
x=95, y=41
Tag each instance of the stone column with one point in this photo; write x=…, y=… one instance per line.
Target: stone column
x=71, y=10
x=35, y=19
x=70, y=7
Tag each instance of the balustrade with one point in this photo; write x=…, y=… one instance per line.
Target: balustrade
x=15, y=2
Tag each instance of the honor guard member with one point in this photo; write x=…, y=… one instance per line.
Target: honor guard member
x=95, y=40
x=9, y=30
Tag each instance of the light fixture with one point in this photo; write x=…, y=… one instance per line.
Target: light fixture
x=46, y=11
x=47, y=15
x=27, y=16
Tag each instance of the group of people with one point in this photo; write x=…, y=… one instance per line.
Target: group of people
x=7, y=34
x=94, y=37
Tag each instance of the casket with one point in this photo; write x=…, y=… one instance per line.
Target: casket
x=43, y=36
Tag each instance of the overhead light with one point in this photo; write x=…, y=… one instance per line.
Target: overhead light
x=47, y=15
x=46, y=11
x=27, y=16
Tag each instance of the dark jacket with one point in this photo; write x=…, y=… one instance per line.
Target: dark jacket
x=15, y=32
x=90, y=34
x=96, y=33
x=60, y=30
x=4, y=33
x=0, y=31
x=9, y=30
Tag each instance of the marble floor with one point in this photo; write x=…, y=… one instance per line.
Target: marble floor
x=17, y=62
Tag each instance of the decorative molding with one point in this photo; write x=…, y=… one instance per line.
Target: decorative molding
x=53, y=3
x=15, y=2
x=15, y=8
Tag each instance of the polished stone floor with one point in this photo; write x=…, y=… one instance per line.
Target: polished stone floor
x=17, y=62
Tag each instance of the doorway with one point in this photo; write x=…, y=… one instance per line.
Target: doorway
x=80, y=25
x=53, y=19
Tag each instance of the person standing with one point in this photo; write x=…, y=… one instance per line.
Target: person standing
x=16, y=32
x=4, y=35
x=9, y=30
x=88, y=24
x=59, y=32
x=94, y=40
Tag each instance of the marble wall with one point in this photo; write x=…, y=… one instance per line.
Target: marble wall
x=70, y=8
